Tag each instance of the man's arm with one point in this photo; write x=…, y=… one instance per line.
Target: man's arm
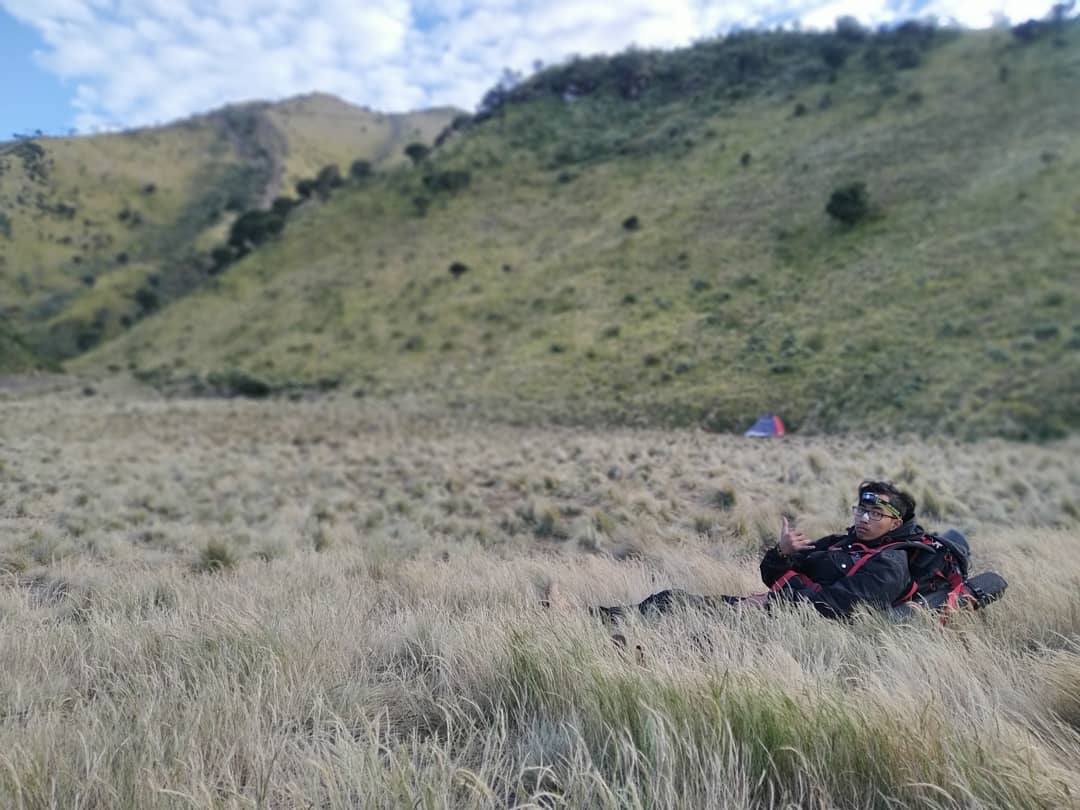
x=781, y=557
x=776, y=562
x=880, y=582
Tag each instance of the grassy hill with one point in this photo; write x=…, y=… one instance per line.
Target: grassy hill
x=97, y=232
x=15, y=357
x=644, y=239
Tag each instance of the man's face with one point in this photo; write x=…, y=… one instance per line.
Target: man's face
x=871, y=519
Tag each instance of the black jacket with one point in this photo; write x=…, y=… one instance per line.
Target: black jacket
x=820, y=576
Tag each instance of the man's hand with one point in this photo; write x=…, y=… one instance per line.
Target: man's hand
x=792, y=541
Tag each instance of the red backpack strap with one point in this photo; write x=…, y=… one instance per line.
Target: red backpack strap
x=910, y=593
x=870, y=552
x=956, y=587
x=790, y=575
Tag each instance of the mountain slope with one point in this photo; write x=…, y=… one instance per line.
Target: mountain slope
x=644, y=238
x=98, y=231
x=14, y=356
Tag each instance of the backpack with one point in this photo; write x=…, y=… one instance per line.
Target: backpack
x=939, y=565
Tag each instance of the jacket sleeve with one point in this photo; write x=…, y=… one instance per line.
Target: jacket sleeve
x=774, y=565
x=880, y=582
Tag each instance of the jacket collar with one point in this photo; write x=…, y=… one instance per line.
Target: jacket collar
x=909, y=530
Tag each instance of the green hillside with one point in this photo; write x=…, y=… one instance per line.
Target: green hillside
x=14, y=356
x=97, y=232
x=644, y=239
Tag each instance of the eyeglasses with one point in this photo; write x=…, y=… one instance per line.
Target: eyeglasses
x=873, y=515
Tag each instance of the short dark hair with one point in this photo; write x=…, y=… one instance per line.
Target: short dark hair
x=903, y=501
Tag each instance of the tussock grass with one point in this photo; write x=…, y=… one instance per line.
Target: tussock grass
x=404, y=660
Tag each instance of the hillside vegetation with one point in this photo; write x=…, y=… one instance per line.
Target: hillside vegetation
x=644, y=238
x=98, y=232
x=15, y=357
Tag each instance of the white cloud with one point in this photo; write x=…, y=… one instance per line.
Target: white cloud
x=137, y=62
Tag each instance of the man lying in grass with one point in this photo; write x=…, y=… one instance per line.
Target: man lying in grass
x=869, y=564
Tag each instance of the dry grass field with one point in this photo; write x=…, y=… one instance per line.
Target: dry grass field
x=336, y=605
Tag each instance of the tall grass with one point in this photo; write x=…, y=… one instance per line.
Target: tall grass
x=409, y=664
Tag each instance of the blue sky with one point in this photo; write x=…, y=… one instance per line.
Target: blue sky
x=106, y=64
x=32, y=97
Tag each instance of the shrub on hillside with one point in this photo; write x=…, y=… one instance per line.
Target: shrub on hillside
x=849, y=204
x=255, y=227
x=417, y=152
x=283, y=205
x=850, y=30
x=360, y=169
x=147, y=299
x=835, y=53
x=495, y=98
x=238, y=384
x=450, y=180
x=305, y=188
x=1027, y=32
x=631, y=71
x=459, y=124
x=220, y=257
x=328, y=178
x=905, y=57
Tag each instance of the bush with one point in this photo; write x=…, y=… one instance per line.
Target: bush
x=723, y=499
x=283, y=205
x=327, y=180
x=417, y=152
x=834, y=54
x=220, y=256
x=849, y=204
x=255, y=227
x=215, y=556
x=146, y=299
x=360, y=169
x=850, y=30
x=450, y=181
x=1027, y=32
x=239, y=384
x=905, y=57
